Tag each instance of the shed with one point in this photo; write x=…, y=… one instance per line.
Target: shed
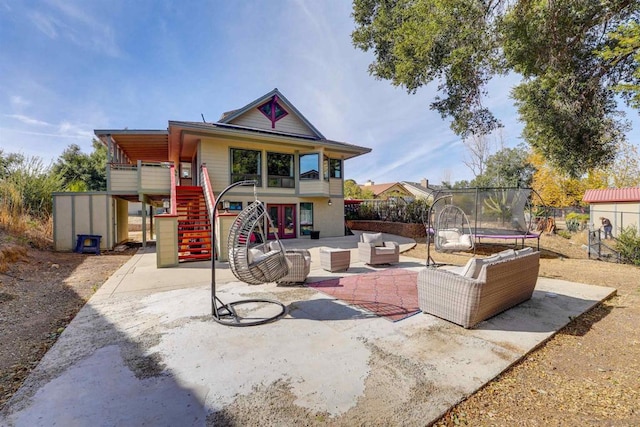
x=620, y=205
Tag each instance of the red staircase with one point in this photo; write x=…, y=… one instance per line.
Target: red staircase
x=194, y=226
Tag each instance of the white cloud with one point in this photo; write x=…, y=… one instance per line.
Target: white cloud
x=46, y=24
x=27, y=120
x=66, y=21
x=18, y=102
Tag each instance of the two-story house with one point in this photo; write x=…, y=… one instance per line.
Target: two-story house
x=299, y=175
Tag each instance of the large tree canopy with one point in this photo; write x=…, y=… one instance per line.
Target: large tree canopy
x=572, y=55
x=83, y=172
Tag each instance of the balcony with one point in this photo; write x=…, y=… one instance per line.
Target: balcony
x=143, y=178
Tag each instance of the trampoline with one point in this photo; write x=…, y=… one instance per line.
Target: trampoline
x=506, y=213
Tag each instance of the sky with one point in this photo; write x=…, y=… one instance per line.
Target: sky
x=68, y=67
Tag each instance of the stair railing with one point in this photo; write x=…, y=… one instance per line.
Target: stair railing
x=173, y=209
x=210, y=200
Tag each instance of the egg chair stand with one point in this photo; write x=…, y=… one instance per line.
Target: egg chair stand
x=249, y=227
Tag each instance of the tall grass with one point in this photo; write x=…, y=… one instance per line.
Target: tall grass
x=26, y=202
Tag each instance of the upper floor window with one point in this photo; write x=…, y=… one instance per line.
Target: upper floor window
x=246, y=165
x=335, y=168
x=309, y=164
x=273, y=110
x=280, y=170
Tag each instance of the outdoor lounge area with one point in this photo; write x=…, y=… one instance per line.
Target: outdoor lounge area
x=145, y=343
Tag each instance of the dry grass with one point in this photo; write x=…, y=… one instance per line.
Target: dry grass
x=24, y=229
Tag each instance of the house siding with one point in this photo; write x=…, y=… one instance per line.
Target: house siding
x=289, y=123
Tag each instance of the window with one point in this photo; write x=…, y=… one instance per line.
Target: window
x=306, y=218
x=280, y=170
x=235, y=206
x=309, y=166
x=273, y=110
x=245, y=165
x=335, y=168
x=325, y=168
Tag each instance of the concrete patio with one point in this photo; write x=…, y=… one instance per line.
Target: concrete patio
x=145, y=351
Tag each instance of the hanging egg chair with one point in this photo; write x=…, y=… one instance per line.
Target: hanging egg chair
x=252, y=258
x=453, y=230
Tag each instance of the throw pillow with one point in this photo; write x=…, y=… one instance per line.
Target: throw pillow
x=375, y=238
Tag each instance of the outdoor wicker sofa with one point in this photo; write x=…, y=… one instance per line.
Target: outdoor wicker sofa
x=482, y=289
x=299, y=261
x=373, y=250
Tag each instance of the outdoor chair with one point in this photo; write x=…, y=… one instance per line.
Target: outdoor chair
x=299, y=261
x=374, y=251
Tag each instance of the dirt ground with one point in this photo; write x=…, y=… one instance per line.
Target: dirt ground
x=589, y=373
x=40, y=293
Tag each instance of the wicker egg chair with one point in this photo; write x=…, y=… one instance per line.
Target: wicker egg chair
x=453, y=230
x=252, y=258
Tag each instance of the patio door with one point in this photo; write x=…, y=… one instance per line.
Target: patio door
x=284, y=221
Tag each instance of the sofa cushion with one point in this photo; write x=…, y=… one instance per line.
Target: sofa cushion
x=524, y=251
x=254, y=255
x=449, y=234
x=465, y=239
x=506, y=254
x=480, y=262
x=385, y=250
x=469, y=268
x=375, y=238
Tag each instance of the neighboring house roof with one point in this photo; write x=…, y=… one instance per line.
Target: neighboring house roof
x=418, y=189
x=611, y=195
x=229, y=116
x=378, y=189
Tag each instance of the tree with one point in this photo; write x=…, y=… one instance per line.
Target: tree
x=83, y=172
x=567, y=97
x=623, y=45
x=560, y=190
x=508, y=167
x=353, y=191
x=448, y=41
x=478, y=149
x=625, y=169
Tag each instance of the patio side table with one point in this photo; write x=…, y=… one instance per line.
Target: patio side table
x=335, y=259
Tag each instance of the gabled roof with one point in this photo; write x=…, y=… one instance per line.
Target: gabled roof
x=229, y=116
x=610, y=195
x=181, y=129
x=416, y=187
x=378, y=189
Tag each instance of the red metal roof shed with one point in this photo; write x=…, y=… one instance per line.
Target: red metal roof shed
x=612, y=195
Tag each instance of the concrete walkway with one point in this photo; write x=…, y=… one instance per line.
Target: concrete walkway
x=145, y=351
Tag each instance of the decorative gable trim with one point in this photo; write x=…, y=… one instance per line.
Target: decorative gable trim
x=284, y=103
x=273, y=111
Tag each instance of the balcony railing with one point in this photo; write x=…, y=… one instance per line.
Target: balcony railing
x=145, y=177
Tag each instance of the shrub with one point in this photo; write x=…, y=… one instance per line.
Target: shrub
x=576, y=221
x=628, y=245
